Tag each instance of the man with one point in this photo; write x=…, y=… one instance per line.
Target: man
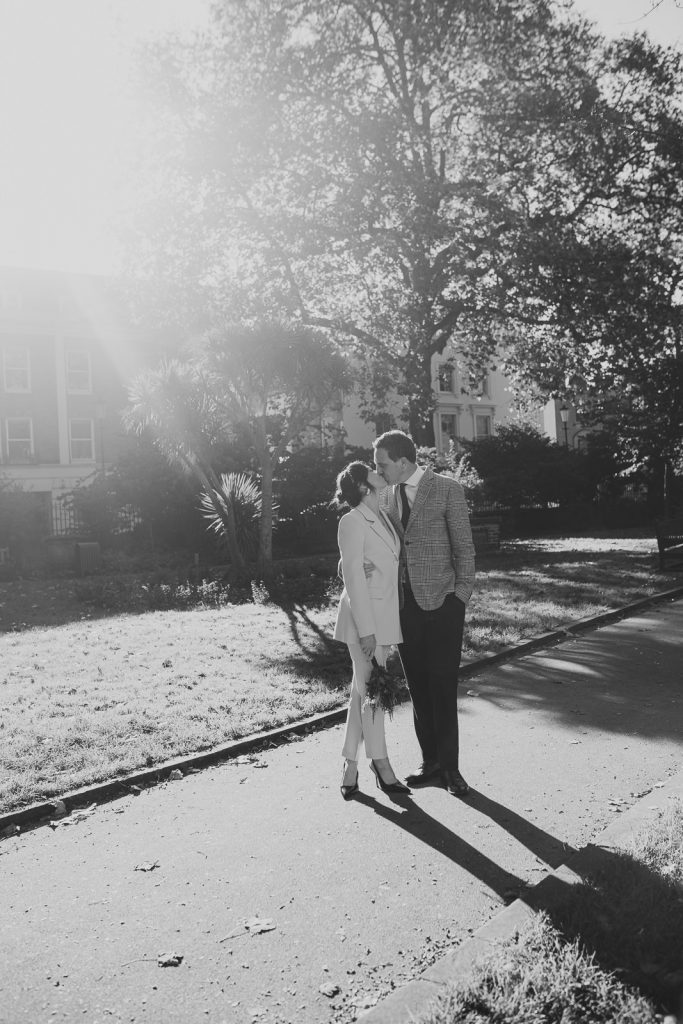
x=437, y=576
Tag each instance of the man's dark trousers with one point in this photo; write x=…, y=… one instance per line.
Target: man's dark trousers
x=430, y=653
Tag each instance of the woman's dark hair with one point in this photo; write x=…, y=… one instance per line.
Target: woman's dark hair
x=349, y=483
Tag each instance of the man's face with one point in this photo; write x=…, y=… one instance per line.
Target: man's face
x=392, y=472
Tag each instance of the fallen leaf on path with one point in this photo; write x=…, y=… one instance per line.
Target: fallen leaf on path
x=169, y=959
x=74, y=818
x=256, y=925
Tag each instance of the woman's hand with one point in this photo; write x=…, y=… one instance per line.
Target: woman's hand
x=368, y=645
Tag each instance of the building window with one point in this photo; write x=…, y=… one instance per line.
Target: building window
x=19, y=434
x=78, y=378
x=448, y=422
x=446, y=382
x=482, y=388
x=483, y=425
x=16, y=369
x=81, y=441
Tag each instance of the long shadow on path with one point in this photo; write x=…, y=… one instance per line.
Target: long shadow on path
x=407, y=815
x=549, y=849
x=623, y=679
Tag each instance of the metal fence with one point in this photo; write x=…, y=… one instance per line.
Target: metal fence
x=65, y=519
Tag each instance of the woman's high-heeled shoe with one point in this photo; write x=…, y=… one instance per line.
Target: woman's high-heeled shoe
x=397, y=788
x=348, y=791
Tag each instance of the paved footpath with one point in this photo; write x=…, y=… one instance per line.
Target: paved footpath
x=364, y=895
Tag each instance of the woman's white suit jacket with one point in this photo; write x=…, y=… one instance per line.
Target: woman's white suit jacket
x=368, y=605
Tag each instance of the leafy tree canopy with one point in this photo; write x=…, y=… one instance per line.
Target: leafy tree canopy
x=409, y=173
x=269, y=384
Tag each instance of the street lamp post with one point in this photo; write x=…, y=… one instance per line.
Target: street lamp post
x=564, y=416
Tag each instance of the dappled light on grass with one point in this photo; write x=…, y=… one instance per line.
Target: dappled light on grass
x=86, y=702
x=104, y=694
x=534, y=594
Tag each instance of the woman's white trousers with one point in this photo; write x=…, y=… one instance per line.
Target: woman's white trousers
x=361, y=724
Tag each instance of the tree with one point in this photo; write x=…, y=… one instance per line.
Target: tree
x=176, y=404
x=272, y=383
x=278, y=384
x=610, y=334
x=372, y=167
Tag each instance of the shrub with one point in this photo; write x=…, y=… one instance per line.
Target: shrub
x=313, y=530
x=24, y=524
x=520, y=467
x=306, y=477
x=240, y=499
x=141, y=502
x=113, y=594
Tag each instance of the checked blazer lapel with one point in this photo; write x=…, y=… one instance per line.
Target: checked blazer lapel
x=421, y=495
x=391, y=506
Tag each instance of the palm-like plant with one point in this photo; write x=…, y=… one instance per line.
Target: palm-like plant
x=239, y=498
x=176, y=403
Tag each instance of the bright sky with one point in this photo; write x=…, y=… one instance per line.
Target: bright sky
x=66, y=112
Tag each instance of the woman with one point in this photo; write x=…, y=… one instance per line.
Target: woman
x=367, y=619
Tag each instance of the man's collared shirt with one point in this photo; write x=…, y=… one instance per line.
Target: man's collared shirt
x=411, y=485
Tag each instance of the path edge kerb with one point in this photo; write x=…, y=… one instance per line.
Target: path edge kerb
x=406, y=1005
x=121, y=785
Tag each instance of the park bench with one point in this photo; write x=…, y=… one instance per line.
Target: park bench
x=669, y=539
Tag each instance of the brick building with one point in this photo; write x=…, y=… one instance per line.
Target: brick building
x=65, y=354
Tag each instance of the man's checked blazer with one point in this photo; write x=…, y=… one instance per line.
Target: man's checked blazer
x=437, y=545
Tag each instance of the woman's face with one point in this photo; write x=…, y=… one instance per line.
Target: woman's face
x=376, y=481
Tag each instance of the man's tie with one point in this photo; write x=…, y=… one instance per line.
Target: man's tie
x=405, y=507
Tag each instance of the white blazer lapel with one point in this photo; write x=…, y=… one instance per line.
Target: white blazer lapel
x=387, y=534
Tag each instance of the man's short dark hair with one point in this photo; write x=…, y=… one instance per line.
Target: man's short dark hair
x=397, y=445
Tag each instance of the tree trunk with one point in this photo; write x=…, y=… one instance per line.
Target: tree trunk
x=420, y=392
x=656, y=496
x=265, y=554
x=266, y=463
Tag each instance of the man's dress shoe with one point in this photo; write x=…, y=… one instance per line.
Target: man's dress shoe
x=427, y=772
x=455, y=784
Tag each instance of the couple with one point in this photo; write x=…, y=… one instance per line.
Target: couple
x=408, y=567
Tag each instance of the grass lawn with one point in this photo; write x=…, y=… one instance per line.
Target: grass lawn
x=610, y=955
x=85, y=696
